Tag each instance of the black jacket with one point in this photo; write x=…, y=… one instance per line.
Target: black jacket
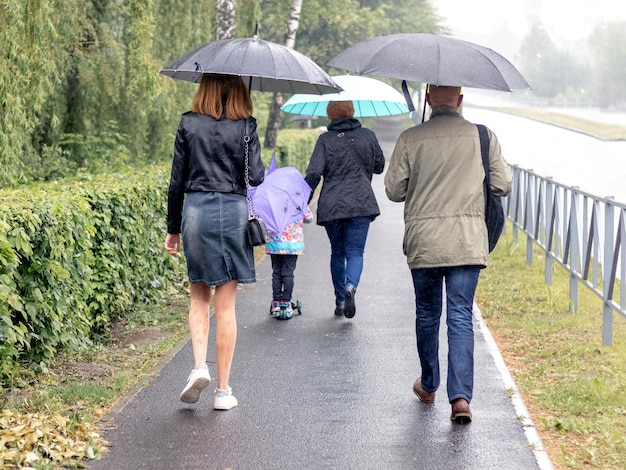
x=209, y=156
x=346, y=156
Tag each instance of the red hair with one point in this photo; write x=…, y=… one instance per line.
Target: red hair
x=339, y=109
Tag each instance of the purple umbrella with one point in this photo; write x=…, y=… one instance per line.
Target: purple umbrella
x=272, y=167
x=282, y=198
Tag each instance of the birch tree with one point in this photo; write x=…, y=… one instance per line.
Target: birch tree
x=273, y=122
x=225, y=19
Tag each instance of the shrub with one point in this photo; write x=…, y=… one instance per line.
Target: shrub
x=294, y=147
x=74, y=257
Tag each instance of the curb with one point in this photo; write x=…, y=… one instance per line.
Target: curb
x=534, y=440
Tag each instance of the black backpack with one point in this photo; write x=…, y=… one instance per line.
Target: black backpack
x=494, y=212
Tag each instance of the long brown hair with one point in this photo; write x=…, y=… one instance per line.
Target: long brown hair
x=222, y=95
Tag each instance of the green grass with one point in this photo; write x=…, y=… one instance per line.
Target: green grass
x=571, y=384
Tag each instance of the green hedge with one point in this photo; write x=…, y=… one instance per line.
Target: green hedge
x=73, y=258
x=294, y=147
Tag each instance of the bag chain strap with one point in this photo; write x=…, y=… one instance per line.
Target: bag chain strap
x=251, y=212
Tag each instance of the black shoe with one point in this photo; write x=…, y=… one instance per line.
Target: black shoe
x=340, y=309
x=350, y=306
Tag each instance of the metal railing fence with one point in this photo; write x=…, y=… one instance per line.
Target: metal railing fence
x=584, y=233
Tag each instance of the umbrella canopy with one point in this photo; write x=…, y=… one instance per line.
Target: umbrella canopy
x=370, y=97
x=281, y=198
x=263, y=65
x=430, y=58
x=272, y=167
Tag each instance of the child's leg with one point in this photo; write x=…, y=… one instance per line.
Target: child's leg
x=277, y=281
x=289, y=266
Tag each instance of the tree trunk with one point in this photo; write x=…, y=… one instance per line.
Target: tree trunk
x=225, y=19
x=273, y=122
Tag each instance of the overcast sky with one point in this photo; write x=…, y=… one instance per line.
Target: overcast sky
x=565, y=20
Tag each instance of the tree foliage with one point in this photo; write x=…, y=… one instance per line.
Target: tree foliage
x=79, y=83
x=610, y=63
x=328, y=27
x=549, y=70
x=597, y=69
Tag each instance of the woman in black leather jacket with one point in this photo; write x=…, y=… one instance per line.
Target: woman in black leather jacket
x=346, y=157
x=207, y=205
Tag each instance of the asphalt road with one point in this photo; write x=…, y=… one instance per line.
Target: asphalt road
x=322, y=392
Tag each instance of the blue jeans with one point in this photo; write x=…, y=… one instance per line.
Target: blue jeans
x=347, y=244
x=460, y=282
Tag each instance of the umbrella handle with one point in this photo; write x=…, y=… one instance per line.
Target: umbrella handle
x=407, y=96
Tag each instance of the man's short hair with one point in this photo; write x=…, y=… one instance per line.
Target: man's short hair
x=443, y=94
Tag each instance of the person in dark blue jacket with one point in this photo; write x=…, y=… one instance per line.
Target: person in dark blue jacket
x=207, y=205
x=346, y=157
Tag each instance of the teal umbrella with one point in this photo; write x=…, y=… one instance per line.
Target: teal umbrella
x=369, y=96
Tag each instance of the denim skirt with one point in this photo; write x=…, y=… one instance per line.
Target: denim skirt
x=214, y=239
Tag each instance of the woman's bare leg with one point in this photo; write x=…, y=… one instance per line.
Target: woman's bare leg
x=199, y=321
x=226, y=330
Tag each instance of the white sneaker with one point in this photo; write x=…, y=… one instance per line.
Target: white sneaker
x=198, y=380
x=224, y=399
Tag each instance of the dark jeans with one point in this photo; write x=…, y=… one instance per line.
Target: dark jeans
x=347, y=244
x=283, y=267
x=460, y=286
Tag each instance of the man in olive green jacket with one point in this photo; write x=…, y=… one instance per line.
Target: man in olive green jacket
x=436, y=170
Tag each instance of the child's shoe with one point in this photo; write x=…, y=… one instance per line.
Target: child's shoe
x=275, y=308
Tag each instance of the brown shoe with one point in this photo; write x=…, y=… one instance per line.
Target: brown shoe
x=423, y=395
x=461, y=413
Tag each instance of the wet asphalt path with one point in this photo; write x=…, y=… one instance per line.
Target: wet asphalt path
x=321, y=392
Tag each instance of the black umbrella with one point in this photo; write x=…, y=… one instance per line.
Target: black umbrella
x=430, y=58
x=264, y=66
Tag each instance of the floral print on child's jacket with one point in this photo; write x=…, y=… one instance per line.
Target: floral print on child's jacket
x=290, y=240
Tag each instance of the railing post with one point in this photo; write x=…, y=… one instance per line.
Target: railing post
x=607, y=265
x=549, y=230
x=514, y=209
x=528, y=217
x=574, y=250
x=596, y=243
x=565, y=222
x=585, y=225
x=622, y=250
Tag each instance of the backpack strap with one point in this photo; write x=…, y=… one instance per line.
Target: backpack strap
x=484, y=149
